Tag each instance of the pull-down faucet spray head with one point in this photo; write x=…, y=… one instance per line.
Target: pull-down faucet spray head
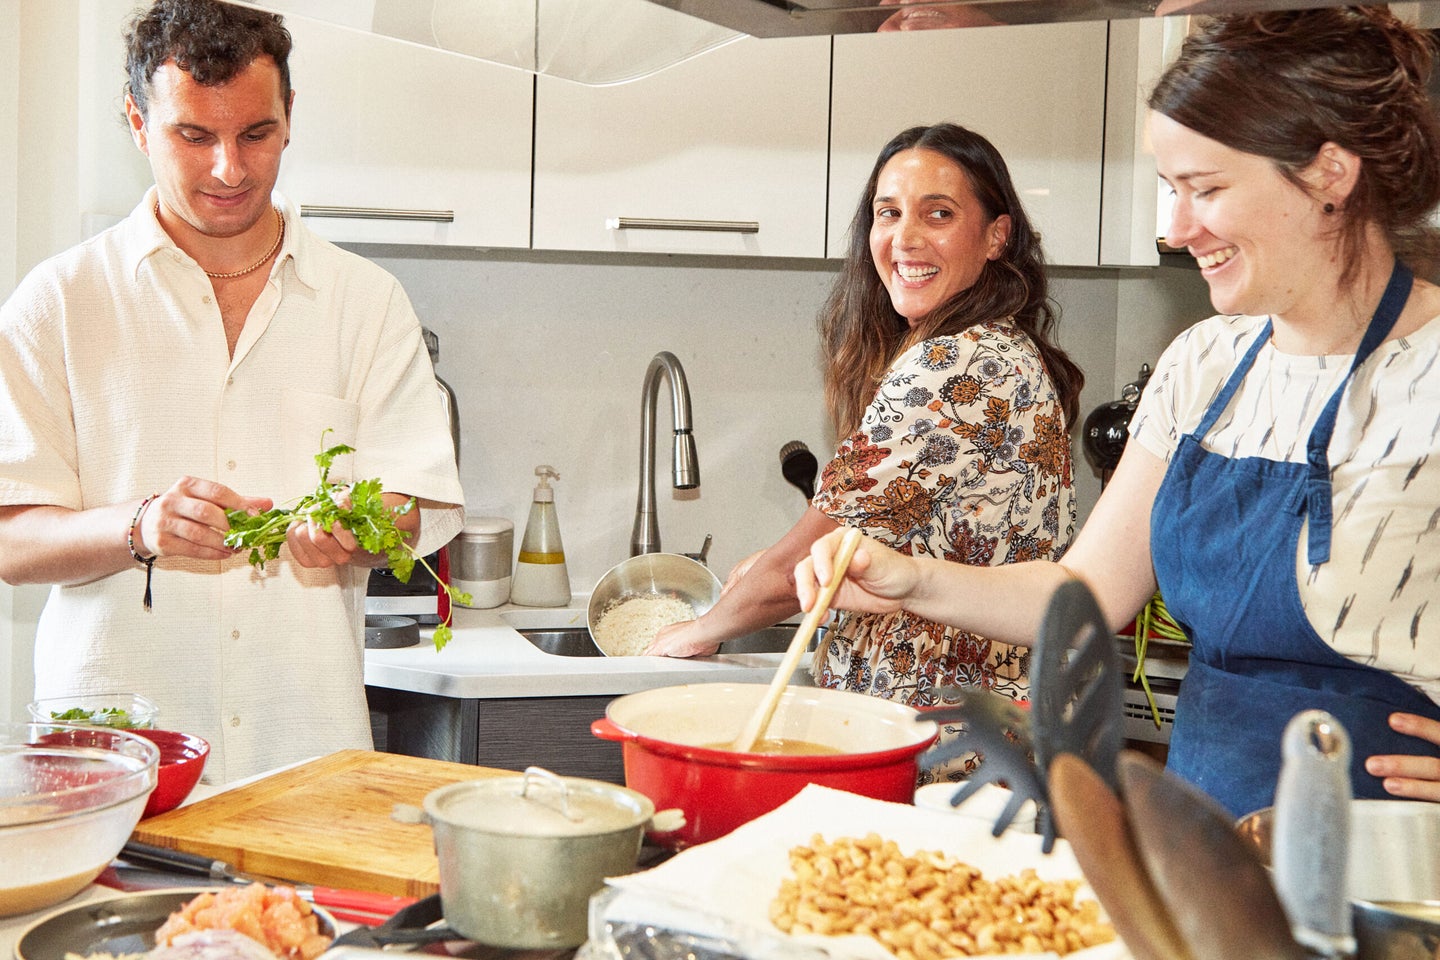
x=645, y=535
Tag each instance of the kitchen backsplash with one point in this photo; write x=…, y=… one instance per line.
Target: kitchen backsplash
x=547, y=353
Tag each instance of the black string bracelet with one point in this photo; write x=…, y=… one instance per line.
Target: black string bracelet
x=130, y=542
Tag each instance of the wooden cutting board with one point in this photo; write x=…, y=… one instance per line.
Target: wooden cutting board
x=326, y=823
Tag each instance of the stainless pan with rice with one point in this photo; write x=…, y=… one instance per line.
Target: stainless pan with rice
x=638, y=597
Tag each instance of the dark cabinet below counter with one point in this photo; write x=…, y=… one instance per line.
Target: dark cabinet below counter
x=506, y=733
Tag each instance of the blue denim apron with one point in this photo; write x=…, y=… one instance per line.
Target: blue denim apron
x=1223, y=537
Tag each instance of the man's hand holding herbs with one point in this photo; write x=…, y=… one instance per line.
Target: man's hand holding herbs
x=312, y=545
x=191, y=519
x=340, y=523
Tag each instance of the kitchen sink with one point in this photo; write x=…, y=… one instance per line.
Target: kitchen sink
x=576, y=642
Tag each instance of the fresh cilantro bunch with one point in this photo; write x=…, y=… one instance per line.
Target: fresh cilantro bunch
x=358, y=507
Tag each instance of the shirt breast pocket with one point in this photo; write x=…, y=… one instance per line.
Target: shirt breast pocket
x=310, y=424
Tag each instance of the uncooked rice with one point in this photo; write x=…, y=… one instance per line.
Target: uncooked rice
x=629, y=624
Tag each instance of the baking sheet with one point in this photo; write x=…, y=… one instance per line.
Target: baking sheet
x=119, y=925
x=724, y=888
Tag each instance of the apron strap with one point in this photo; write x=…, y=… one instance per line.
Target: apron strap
x=1317, y=450
x=1227, y=392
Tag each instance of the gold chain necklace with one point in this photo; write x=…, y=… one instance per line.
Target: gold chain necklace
x=279, y=238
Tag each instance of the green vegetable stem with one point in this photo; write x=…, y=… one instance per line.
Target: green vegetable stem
x=359, y=507
x=1154, y=620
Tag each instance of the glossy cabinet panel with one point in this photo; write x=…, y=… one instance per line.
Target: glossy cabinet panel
x=393, y=128
x=1036, y=91
x=722, y=154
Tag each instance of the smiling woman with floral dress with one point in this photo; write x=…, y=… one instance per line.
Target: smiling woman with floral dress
x=955, y=407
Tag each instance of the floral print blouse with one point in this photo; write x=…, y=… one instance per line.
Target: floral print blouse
x=962, y=455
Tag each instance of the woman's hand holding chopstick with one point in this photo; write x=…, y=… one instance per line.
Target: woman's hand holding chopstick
x=877, y=580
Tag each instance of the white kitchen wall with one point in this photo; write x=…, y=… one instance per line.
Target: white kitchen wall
x=1154, y=306
x=546, y=354
x=17, y=611
x=9, y=151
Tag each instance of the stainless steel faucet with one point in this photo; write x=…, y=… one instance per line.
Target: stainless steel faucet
x=645, y=535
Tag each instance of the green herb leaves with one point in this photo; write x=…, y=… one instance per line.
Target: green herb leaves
x=359, y=508
x=102, y=717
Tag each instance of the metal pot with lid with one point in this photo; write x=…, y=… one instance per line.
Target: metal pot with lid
x=520, y=856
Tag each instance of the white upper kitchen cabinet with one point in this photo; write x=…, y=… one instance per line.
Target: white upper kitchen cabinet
x=1035, y=91
x=401, y=143
x=721, y=154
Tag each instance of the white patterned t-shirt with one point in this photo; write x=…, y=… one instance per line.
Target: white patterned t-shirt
x=1371, y=601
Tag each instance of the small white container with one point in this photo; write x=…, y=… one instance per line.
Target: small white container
x=481, y=561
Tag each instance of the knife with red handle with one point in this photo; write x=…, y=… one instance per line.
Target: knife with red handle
x=355, y=906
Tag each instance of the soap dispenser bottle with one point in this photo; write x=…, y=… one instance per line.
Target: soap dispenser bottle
x=541, y=579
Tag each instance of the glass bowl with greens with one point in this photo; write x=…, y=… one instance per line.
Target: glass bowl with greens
x=124, y=711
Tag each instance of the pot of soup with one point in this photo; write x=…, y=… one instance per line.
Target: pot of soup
x=676, y=748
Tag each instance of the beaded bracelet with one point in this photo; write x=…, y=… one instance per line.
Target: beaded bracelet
x=130, y=542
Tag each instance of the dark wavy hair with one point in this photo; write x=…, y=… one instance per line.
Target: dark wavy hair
x=860, y=330
x=209, y=40
x=1281, y=84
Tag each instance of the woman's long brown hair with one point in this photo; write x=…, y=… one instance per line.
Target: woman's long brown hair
x=861, y=333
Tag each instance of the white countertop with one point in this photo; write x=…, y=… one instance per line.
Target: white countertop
x=488, y=659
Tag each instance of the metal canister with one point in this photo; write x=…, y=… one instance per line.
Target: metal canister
x=482, y=560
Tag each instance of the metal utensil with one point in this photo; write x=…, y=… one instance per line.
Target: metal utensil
x=1397, y=931
x=363, y=903
x=1092, y=819
x=745, y=742
x=1312, y=833
x=115, y=926
x=1213, y=885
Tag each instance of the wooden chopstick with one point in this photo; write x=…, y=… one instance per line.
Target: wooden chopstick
x=761, y=718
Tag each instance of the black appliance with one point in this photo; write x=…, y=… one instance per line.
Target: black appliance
x=420, y=597
x=1106, y=429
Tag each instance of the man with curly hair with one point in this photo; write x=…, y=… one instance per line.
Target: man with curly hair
x=185, y=363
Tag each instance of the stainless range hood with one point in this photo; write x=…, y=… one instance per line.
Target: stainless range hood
x=600, y=42
x=594, y=42
x=789, y=18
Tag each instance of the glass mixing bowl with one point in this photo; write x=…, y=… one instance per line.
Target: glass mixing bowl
x=69, y=798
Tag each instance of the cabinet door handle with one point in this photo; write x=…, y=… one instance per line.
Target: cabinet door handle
x=715, y=226
x=376, y=213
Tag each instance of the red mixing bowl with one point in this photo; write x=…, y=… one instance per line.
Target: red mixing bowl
x=182, y=760
x=673, y=748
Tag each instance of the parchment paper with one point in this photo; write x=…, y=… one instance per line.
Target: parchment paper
x=724, y=887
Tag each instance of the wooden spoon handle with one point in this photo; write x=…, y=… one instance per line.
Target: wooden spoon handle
x=761, y=718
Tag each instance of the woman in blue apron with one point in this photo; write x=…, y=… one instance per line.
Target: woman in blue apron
x=1284, y=489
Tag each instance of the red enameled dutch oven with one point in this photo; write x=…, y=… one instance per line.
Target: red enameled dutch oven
x=675, y=744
